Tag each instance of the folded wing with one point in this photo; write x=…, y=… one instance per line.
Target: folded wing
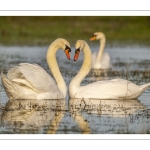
x=32, y=76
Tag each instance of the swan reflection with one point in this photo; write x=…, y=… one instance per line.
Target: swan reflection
x=109, y=116
x=115, y=108
x=33, y=116
x=86, y=116
x=100, y=74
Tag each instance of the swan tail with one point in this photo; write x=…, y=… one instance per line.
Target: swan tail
x=144, y=87
x=4, y=80
x=8, y=85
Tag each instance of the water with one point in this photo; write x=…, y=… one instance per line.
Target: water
x=78, y=116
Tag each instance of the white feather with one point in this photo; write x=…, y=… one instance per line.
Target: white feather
x=101, y=59
x=107, y=89
x=31, y=81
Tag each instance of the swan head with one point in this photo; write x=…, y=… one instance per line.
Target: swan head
x=65, y=46
x=80, y=44
x=97, y=36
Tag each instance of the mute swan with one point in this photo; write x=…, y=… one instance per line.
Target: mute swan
x=100, y=60
x=30, y=81
x=107, y=89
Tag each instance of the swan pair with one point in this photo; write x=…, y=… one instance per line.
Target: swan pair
x=30, y=81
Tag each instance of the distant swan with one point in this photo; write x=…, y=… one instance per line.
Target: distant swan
x=100, y=59
x=107, y=89
x=30, y=81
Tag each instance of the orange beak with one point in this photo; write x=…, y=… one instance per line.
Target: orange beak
x=67, y=53
x=93, y=38
x=76, y=55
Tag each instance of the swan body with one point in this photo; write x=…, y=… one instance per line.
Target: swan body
x=107, y=89
x=30, y=81
x=100, y=59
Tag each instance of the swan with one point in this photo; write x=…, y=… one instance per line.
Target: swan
x=31, y=81
x=100, y=60
x=106, y=89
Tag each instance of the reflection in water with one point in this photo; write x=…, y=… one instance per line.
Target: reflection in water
x=100, y=74
x=82, y=116
x=86, y=116
x=32, y=116
x=110, y=116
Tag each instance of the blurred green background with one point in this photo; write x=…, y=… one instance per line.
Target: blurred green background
x=42, y=30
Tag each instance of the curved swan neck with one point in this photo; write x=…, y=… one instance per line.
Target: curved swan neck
x=101, y=49
x=85, y=68
x=53, y=65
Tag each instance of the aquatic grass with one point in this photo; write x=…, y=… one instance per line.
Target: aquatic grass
x=41, y=30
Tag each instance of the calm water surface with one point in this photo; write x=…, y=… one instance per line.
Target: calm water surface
x=78, y=116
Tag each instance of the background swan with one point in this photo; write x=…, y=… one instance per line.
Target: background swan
x=107, y=89
x=30, y=81
x=100, y=59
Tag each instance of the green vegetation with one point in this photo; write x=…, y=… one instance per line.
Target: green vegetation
x=41, y=30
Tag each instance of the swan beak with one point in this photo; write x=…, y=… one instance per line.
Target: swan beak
x=93, y=38
x=77, y=52
x=67, y=51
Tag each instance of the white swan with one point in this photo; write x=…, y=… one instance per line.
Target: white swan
x=30, y=81
x=100, y=59
x=107, y=89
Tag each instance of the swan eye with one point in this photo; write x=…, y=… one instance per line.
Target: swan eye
x=93, y=37
x=68, y=48
x=77, y=50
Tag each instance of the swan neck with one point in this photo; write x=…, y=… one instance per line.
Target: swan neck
x=84, y=70
x=101, y=49
x=53, y=65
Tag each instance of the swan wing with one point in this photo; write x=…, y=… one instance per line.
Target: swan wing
x=104, y=63
x=110, y=89
x=33, y=76
x=94, y=56
x=106, y=60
